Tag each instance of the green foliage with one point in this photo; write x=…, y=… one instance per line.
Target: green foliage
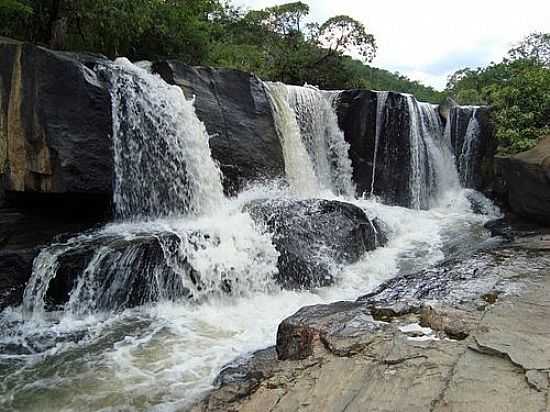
x=519, y=92
x=276, y=43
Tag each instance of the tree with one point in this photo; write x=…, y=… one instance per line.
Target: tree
x=343, y=34
x=536, y=46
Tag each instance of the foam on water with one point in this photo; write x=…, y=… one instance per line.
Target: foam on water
x=161, y=357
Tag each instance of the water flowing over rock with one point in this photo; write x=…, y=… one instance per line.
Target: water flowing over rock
x=305, y=119
x=398, y=148
x=163, y=165
x=123, y=266
x=314, y=238
x=299, y=169
x=236, y=111
x=474, y=144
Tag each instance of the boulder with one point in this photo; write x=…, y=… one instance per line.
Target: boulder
x=236, y=111
x=55, y=123
x=525, y=182
x=313, y=237
x=357, y=116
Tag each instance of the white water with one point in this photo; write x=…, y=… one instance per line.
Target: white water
x=161, y=357
x=469, y=148
x=151, y=121
x=432, y=173
x=381, y=99
x=307, y=121
x=299, y=168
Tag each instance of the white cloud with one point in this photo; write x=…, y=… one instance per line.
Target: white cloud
x=429, y=39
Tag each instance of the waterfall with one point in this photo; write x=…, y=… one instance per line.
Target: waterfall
x=308, y=126
x=163, y=168
x=298, y=166
x=466, y=160
x=151, y=121
x=432, y=172
x=381, y=99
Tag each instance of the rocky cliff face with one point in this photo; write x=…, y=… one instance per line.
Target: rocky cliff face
x=524, y=182
x=55, y=122
x=235, y=109
x=358, y=115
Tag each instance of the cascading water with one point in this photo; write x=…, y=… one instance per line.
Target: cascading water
x=212, y=271
x=153, y=120
x=299, y=168
x=381, y=99
x=309, y=120
x=163, y=168
x=469, y=149
x=431, y=172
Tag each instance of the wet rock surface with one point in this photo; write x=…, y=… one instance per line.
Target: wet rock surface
x=236, y=111
x=481, y=151
x=357, y=116
x=23, y=232
x=467, y=335
x=313, y=237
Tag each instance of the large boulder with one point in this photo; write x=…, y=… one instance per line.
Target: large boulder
x=357, y=116
x=524, y=182
x=55, y=123
x=313, y=238
x=235, y=108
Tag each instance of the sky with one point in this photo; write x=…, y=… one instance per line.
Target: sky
x=428, y=40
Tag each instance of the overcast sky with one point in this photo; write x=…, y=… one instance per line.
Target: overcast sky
x=429, y=39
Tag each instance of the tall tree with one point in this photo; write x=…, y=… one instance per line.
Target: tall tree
x=343, y=34
x=536, y=47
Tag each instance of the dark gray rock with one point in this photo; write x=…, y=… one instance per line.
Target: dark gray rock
x=313, y=237
x=131, y=271
x=357, y=118
x=237, y=114
x=55, y=122
x=525, y=182
x=483, y=149
x=22, y=233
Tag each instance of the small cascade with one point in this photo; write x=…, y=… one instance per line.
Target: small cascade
x=466, y=160
x=300, y=172
x=317, y=130
x=153, y=120
x=381, y=99
x=432, y=173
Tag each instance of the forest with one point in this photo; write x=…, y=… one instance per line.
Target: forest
x=281, y=43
